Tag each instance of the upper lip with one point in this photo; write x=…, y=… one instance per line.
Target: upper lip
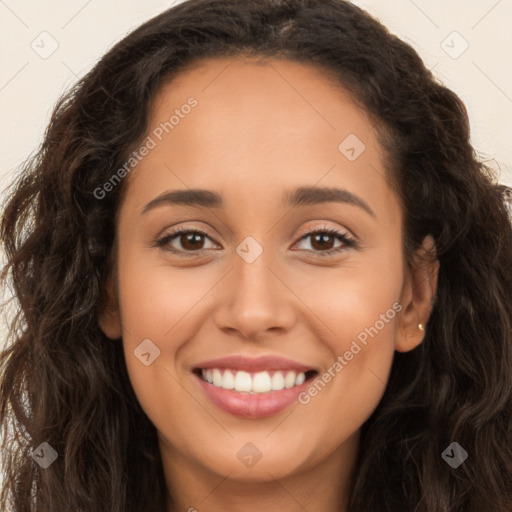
x=259, y=364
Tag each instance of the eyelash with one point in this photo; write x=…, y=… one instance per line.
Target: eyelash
x=343, y=237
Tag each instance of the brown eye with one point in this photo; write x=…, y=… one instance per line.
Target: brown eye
x=191, y=241
x=324, y=240
x=184, y=241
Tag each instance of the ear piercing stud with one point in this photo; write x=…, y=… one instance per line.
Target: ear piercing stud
x=420, y=327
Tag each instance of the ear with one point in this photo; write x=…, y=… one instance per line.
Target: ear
x=109, y=318
x=418, y=295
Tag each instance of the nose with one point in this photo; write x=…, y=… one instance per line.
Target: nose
x=255, y=300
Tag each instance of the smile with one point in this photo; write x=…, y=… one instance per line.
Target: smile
x=253, y=383
x=252, y=388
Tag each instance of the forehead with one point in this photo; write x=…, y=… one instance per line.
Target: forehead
x=256, y=122
x=264, y=96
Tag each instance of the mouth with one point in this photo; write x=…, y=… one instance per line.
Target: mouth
x=252, y=383
x=253, y=388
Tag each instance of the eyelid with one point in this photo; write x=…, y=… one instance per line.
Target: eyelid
x=329, y=229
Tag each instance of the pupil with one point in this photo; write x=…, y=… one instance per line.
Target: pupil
x=192, y=240
x=322, y=239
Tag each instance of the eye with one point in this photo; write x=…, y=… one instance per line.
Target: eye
x=190, y=240
x=322, y=241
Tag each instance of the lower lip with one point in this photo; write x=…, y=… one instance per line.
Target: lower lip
x=258, y=405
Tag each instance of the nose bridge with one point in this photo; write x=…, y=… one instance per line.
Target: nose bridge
x=256, y=300
x=253, y=276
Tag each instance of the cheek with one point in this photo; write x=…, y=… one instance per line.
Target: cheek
x=356, y=301
x=156, y=306
x=360, y=305
x=157, y=299
x=347, y=391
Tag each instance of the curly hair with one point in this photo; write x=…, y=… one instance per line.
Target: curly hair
x=63, y=382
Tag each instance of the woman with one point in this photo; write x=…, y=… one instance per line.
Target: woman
x=259, y=267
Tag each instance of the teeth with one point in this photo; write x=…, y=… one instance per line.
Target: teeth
x=289, y=380
x=228, y=381
x=300, y=379
x=260, y=382
x=243, y=381
x=217, y=377
x=277, y=381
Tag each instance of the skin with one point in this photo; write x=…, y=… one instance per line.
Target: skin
x=251, y=146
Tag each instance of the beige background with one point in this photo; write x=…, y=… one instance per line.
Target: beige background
x=85, y=29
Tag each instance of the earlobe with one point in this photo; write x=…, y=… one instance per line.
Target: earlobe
x=418, y=297
x=408, y=339
x=109, y=319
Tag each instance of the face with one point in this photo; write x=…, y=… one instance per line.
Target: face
x=287, y=282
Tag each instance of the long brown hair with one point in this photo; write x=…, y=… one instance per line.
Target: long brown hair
x=64, y=383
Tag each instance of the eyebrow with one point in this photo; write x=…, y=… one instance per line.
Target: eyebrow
x=302, y=196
